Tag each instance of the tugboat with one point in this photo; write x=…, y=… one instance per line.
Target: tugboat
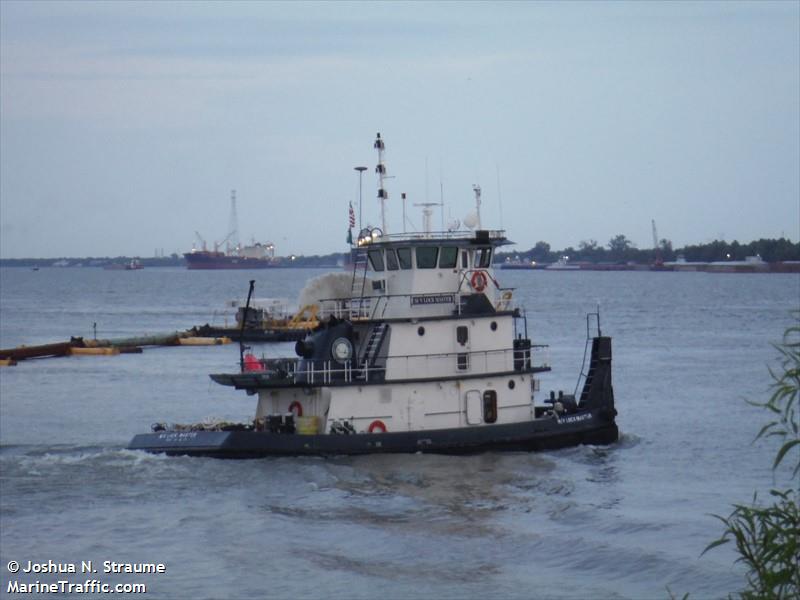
x=428, y=353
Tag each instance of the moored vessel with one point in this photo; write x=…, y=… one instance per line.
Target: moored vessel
x=426, y=352
x=256, y=255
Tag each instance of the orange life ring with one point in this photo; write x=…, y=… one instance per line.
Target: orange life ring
x=296, y=405
x=478, y=281
x=377, y=425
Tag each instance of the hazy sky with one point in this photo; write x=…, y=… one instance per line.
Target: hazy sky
x=125, y=125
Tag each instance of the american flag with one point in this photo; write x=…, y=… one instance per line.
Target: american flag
x=352, y=216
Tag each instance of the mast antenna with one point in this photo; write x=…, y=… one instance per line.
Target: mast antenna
x=441, y=202
x=499, y=196
x=383, y=195
x=427, y=213
x=403, y=196
x=477, y=189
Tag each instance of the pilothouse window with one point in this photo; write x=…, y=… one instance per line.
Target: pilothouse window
x=404, y=256
x=391, y=260
x=448, y=257
x=376, y=259
x=426, y=257
x=484, y=258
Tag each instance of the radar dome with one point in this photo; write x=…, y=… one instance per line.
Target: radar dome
x=471, y=220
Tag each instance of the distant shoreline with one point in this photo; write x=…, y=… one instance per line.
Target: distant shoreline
x=619, y=254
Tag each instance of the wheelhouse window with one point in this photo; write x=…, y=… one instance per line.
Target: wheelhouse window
x=484, y=258
x=391, y=260
x=376, y=259
x=426, y=257
x=448, y=257
x=465, y=259
x=404, y=257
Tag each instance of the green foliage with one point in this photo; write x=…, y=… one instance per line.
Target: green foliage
x=619, y=246
x=784, y=399
x=767, y=538
x=769, y=250
x=621, y=249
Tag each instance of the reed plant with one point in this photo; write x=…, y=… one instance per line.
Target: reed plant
x=767, y=536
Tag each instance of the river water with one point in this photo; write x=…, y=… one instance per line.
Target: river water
x=625, y=521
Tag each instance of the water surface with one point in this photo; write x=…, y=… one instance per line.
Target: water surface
x=623, y=521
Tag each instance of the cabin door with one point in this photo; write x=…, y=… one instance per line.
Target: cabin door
x=462, y=346
x=474, y=408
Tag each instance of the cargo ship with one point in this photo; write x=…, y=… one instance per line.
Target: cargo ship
x=256, y=256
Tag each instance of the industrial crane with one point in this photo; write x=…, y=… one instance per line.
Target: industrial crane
x=202, y=241
x=659, y=261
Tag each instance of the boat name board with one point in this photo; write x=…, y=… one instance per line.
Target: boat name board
x=574, y=418
x=433, y=299
x=177, y=436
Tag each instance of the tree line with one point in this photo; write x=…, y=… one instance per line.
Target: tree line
x=620, y=249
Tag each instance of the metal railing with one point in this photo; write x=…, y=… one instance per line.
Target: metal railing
x=411, y=366
x=374, y=307
x=493, y=234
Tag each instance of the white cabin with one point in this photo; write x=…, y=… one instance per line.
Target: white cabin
x=427, y=340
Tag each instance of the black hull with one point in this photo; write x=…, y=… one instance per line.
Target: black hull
x=585, y=427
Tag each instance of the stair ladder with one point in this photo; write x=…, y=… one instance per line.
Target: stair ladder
x=588, y=378
x=359, y=281
x=594, y=358
x=372, y=347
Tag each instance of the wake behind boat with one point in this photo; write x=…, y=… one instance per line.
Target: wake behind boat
x=425, y=352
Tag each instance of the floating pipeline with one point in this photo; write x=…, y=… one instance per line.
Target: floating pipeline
x=204, y=341
x=106, y=351
x=253, y=334
x=77, y=346
x=40, y=351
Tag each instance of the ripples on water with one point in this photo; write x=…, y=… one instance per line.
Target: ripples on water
x=618, y=522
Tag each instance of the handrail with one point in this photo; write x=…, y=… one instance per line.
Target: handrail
x=421, y=366
x=493, y=234
x=372, y=307
x=467, y=273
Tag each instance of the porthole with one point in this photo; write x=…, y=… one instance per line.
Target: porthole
x=421, y=330
x=511, y=384
x=493, y=326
